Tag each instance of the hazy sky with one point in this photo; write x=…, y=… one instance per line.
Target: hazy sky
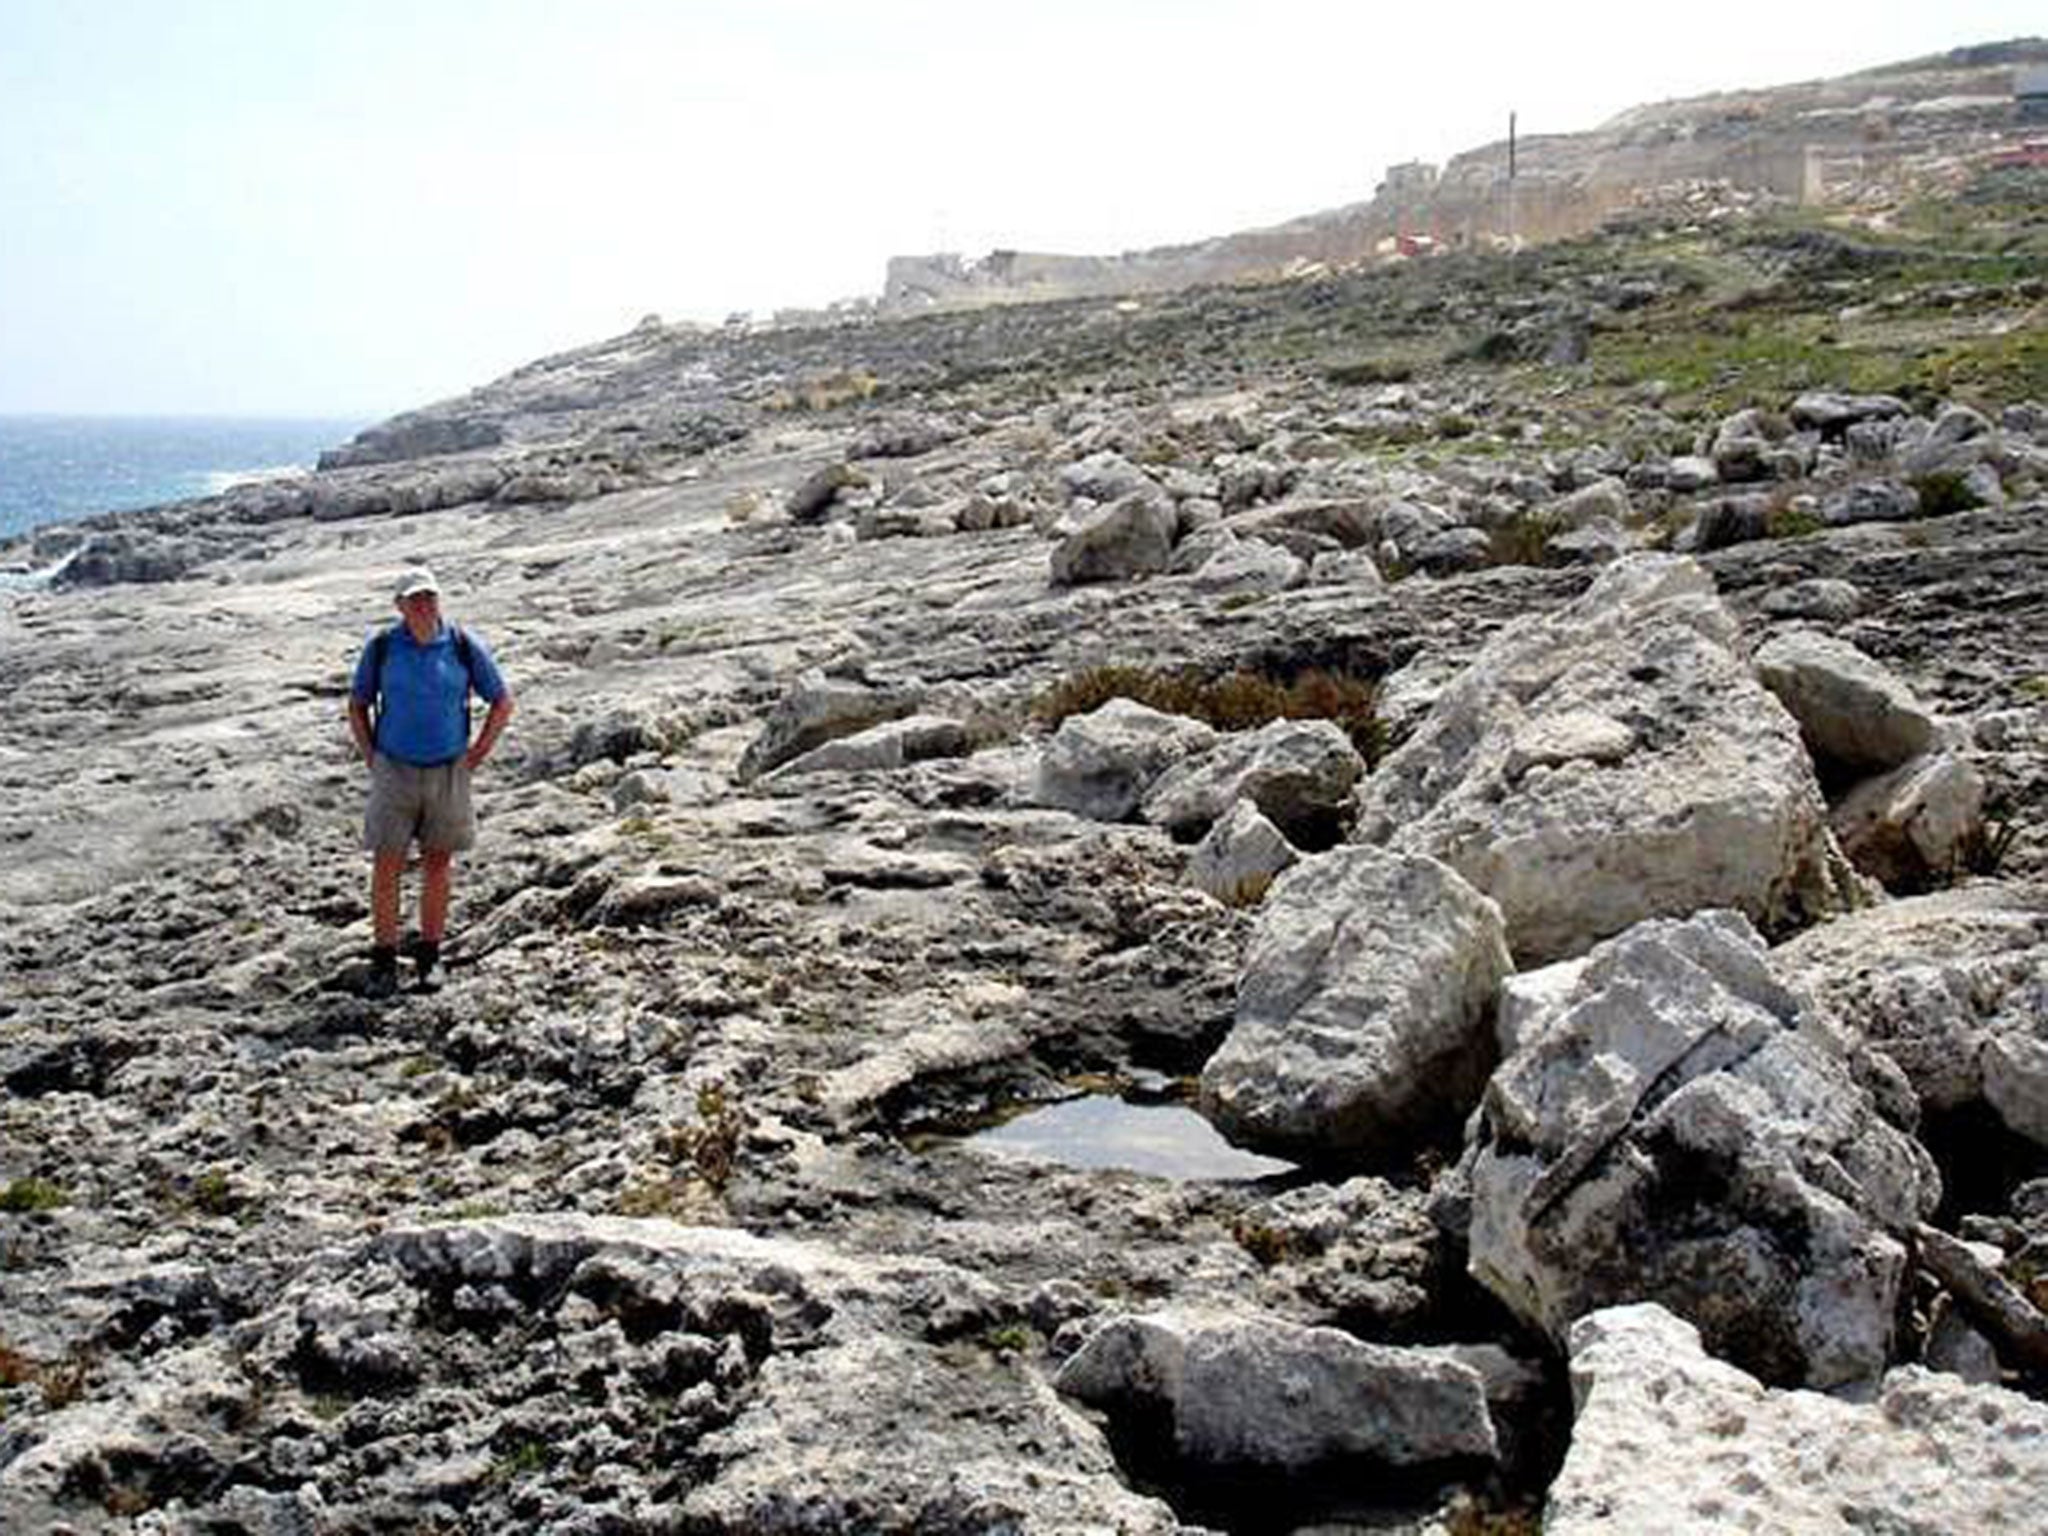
x=354, y=206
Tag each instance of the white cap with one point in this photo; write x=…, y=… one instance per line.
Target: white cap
x=415, y=580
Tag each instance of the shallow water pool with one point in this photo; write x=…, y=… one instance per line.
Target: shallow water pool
x=1165, y=1140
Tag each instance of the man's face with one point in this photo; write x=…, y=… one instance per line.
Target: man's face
x=422, y=610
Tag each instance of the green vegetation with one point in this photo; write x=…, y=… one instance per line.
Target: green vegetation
x=1237, y=701
x=32, y=1194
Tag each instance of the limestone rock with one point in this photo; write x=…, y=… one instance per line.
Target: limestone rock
x=1952, y=986
x=1300, y=773
x=1251, y=567
x=1258, y=1392
x=1132, y=538
x=815, y=710
x=1853, y=714
x=1913, y=827
x=1676, y=1132
x=1667, y=1438
x=1822, y=598
x=1239, y=858
x=1832, y=413
x=1100, y=764
x=1609, y=762
x=1365, y=1008
x=893, y=743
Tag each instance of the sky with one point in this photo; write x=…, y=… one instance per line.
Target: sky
x=352, y=207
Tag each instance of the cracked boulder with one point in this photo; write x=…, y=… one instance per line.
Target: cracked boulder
x=1674, y=1127
x=1613, y=761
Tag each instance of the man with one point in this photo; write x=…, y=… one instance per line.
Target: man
x=417, y=676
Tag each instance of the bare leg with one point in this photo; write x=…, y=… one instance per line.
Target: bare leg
x=384, y=872
x=437, y=880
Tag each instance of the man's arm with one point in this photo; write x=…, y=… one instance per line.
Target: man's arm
x=359, y=727
x=494, y=727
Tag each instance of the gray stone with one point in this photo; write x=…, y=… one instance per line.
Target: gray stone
x=1676, y=1132
x=1300, y=773
x=1871, y=501
x=893, y=743
x=1365, y=1010
x=1832, y=413
x=1132, y=538
x=1853, y=714
x=1611, y=761
x=1952, y=986
x=815, y=710
x=1258, y=1392
x=1101, y=764
x=1238, y=859
x=1666, y=1438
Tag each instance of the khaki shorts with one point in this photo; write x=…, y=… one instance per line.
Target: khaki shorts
x=430, y=805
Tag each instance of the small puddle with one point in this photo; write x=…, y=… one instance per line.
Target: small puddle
x=1164, y=1140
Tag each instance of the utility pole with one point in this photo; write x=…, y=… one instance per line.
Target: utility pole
x=1511, y=196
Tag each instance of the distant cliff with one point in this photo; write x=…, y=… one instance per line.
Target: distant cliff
x=1859, y=137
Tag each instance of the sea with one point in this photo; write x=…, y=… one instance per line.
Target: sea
x=57, y=469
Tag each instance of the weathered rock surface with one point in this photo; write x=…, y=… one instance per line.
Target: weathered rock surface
x=1364, y=1017
x=1299, y=773
x=1251, y=1391
x=1672, y=1130
x=1100, y=764
x=1668, y=1438
x=1852, y=713
x=1240, y=856
x=1611, y=762
x=1952, y=986
x=682, y=1232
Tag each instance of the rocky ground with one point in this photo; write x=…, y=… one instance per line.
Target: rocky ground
x=1651, y=992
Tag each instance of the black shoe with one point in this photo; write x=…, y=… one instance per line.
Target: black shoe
x=425, y=957
x=383, y=978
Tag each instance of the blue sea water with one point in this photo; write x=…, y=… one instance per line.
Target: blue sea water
x=56, y=469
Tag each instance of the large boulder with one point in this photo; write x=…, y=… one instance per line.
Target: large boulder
x=1132, y=538
x=1953, y=987
x=1668, y=1439
x=1675, y=1129
x=1300, y=773
x=1364, y=1011
x=1100, y=764
x=1254, y=1392
x=1613, y=761
x=1856, y=717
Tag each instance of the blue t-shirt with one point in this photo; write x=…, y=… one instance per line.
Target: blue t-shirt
x=424, y=715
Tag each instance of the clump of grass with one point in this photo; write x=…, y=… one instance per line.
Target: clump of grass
x=1524, y=539
x=1943, y=491
x=843, y=387
x=1237, y=701
x=710, y=1147
x=1369, y=370
x=213, y=1193
x=1268, y=1245
x=32, y=1194
x=1009, y=1338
